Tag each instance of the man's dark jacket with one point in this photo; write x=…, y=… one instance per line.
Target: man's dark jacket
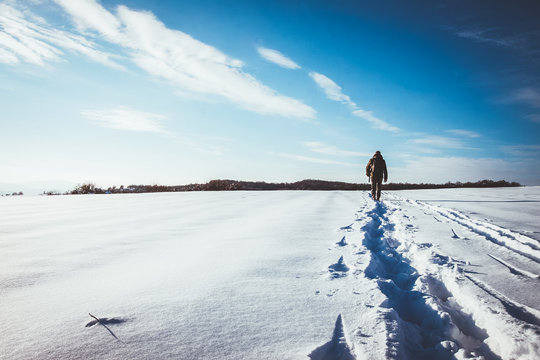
x=378, y=164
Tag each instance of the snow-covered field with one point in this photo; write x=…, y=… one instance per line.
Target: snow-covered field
x=428, y=274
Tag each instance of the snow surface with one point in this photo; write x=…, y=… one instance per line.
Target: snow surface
x=426, y=274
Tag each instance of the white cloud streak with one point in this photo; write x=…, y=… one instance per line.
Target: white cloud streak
x=178, y=58
x=440, y=142
x=331, y=89
x=376, y=123
x=26, y=38
x=316, y=160
x=528, y=96
x=522, y=151
x=487, y=36
x=278, y=58
x=533, y=117
x=126, y=118
x=464, y=133
x=323, y=148
x=334, y=92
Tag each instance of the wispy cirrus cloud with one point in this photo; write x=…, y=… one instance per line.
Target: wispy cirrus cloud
x=277, y=57
x=323, y=148
x=522, y=44
x=522, y=151
x=376, y=123
x=174, y=56
x=435, y=141
x=126, y=118
x=316, y=160
x=487, y=35
x=528, y=96
x=533, y=117
x=129, y=119
x=464, y=133
x=27, y=38
x=334, y=92
x=331, y=89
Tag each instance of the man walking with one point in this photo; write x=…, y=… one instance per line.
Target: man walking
x=376, y=170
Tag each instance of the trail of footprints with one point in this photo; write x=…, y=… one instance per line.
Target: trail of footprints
x=421, y=322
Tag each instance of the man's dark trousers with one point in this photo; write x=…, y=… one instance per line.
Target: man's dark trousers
x=376, y=185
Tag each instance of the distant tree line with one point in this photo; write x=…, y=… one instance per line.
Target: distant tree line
x=20, y=193
x=234, y=185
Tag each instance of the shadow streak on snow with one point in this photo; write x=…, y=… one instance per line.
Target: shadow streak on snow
x=514, y=269
x=514, y=309
x=106, y=321
x=338, y=269
x=342, y=242
x=423, y=332
x=336, y=349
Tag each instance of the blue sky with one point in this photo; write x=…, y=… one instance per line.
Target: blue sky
x=139, y=92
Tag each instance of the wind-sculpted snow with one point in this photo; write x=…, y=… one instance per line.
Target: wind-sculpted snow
x=266, y=275
x=336, y=349
x=515, y=270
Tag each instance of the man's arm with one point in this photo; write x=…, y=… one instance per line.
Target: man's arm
x=385, y=172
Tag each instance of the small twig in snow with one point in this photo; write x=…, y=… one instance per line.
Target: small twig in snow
x=105, y=326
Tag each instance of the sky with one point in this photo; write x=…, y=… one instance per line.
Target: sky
x=178, y=92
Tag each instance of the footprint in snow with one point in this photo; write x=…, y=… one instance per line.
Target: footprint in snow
x=359, y=333
x=338, y=269
x=342, y=242
x=346, y=228
x=332, y=292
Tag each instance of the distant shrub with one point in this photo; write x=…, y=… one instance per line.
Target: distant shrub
x=88, y=188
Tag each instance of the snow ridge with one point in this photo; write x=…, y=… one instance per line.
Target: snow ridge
x=514, y=269
x=516, y=242
x=518, y=311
